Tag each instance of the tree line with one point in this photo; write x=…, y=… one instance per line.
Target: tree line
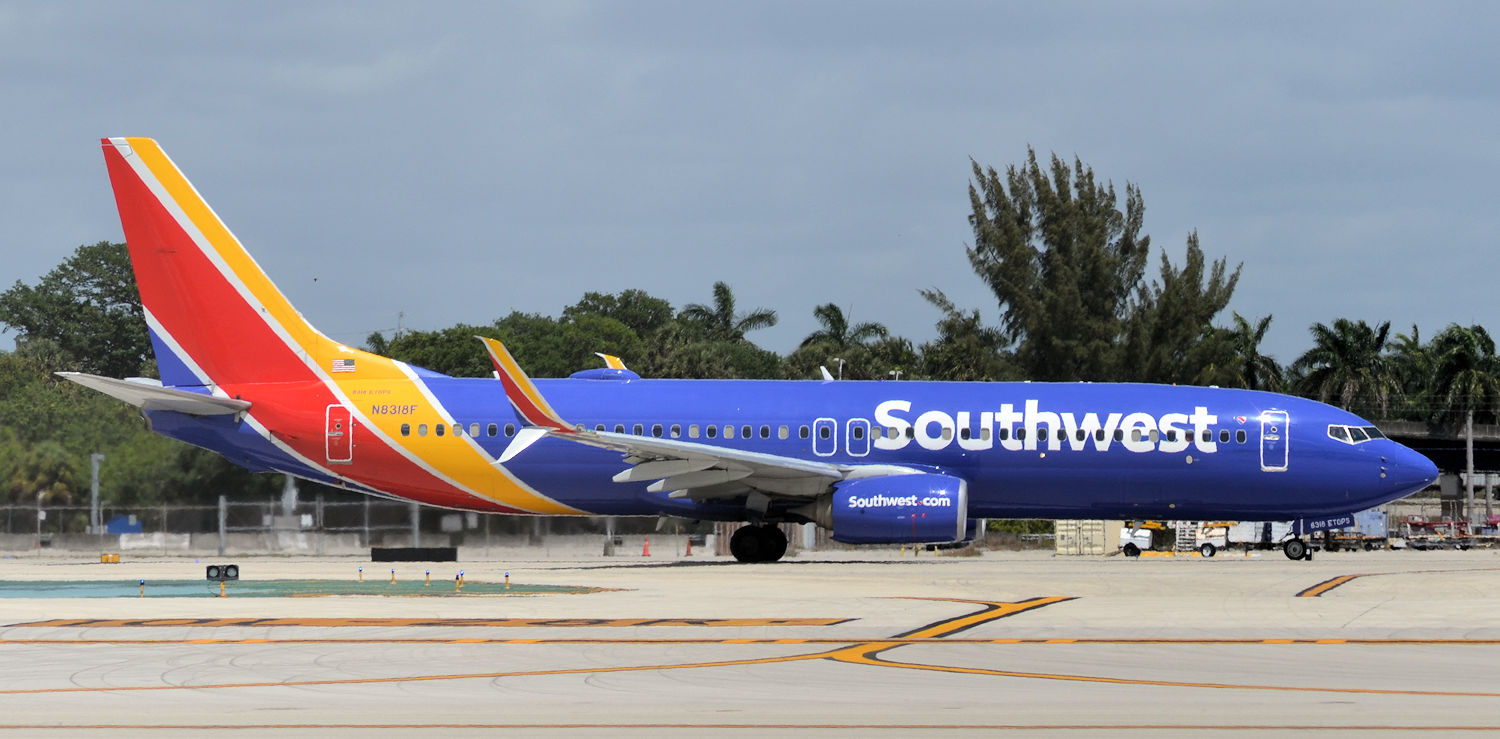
x=1067, y=261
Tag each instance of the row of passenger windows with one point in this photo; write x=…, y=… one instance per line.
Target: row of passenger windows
x=694, y=431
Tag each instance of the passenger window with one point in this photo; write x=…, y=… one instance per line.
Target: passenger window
x=911, y=432
x=1172, y=435
x=765, y=432
x=1208, y=435
x=421, y=429
x=728, y=432
x=712, y=431
x=947, y=434
x=782, y=432
x=1135, y=434
x=984, y=434
x=802, y=432
x=510, y=429
x=744, y=432
x=638, y=430
x=963, y=433
x=1120, y=435
x=823, y=432
x=406, y=429
x=494, y=430
x=1020, y=434
x=1003, y=434
x=619, y=428
x=1081, y=434
x=473, y=429
x=1223, y=436
x=1155, y=436
x=1239, y=436
x=858, y=432
x=656, y=430
x=440, y=428
x=677, y=431
x=597, y=427
x=693, y=431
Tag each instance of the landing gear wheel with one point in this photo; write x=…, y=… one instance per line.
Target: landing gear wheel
x=1131, y=550
x=1295, y=549
x=1208, y=549
x=757, y=544
x=777, y=541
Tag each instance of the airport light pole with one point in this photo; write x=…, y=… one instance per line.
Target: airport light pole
x=840, y=360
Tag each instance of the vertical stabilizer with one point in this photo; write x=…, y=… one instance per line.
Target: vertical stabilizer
x=214, y=316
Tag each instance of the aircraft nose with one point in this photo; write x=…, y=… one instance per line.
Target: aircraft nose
x=1410, y=471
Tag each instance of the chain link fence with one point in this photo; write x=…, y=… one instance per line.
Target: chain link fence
x=345, y=526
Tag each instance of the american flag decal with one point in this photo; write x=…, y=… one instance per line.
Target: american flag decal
x=343, y=365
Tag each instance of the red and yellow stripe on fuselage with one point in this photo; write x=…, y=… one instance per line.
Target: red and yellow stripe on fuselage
x=227, y=322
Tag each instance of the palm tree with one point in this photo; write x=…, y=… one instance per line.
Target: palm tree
x=1465, y=374
x=720, y=322
x=837, y=334
x=965, y=349
x=1347, y=367
x=1414, y=365
x=1253, y=370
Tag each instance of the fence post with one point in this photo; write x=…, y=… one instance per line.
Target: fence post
x=416, y=528
x=318, y=524
x=223, y=520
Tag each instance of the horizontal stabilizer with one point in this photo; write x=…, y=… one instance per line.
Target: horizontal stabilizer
x=155, y=397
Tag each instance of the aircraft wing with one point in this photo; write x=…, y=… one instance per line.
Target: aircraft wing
x=704, y=471
x=685, y=469
x=152, y=396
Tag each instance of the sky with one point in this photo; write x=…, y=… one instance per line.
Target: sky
x=428, y=164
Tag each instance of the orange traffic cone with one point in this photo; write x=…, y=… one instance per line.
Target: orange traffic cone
x=646, y=550
x=689, y=551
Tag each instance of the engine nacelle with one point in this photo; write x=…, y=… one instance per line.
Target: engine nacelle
x=922, y=508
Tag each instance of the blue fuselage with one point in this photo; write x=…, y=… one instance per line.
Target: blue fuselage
x=1026, y=450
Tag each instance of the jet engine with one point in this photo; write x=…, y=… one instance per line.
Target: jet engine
x=924, y=508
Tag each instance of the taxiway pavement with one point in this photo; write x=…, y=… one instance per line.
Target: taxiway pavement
x=1348, y=643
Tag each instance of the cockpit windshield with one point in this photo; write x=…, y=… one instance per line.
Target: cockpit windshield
x=1353, y=434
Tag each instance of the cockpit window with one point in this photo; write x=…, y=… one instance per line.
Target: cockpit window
x=1354, y=434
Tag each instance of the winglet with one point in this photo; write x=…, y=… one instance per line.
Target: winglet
x=523, y=394
x=611, y=361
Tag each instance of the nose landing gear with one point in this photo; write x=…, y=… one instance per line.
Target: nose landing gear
x=1295, y=549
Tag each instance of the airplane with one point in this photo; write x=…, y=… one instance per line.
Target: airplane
x=243, y=374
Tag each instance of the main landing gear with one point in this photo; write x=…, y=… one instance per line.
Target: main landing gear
x=1295, y=549
x=762, y=543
